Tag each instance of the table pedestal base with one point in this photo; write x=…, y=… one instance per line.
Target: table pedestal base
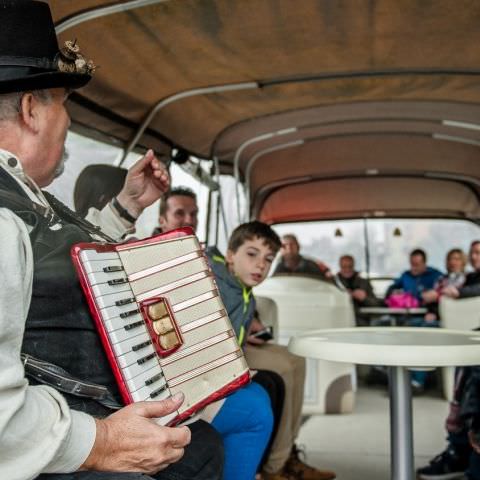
x=401, y=434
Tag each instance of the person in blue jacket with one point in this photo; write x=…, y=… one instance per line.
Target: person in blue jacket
x=417, y=281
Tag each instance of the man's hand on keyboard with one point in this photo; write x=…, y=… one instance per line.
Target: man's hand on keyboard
x=130, y=441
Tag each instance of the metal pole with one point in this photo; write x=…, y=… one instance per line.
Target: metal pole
x=209, y=215
x=401, y=434
x=367, y=247
x=220, y=200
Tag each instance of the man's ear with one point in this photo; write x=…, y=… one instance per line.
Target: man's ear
x=29, y=112
x=161, y=221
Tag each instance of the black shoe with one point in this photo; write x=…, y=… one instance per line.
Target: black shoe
x=446, y=466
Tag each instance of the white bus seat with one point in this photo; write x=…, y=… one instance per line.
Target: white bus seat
x=268, y=313
x=460, y=314
x=305, y=303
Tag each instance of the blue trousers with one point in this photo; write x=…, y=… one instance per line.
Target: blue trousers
x=245, y=423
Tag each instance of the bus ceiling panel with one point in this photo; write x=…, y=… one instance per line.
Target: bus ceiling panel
x=460, y=115
x=256, y=151
x=194, y=123
x=349, y=198
x=372, y=154
x=305, y=54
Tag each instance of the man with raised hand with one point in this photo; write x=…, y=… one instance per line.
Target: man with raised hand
x=44, y=314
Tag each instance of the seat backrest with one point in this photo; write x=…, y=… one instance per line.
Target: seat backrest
x=460, y=314
x=307, y=303
x=268, y=312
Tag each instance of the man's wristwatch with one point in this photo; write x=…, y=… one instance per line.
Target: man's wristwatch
x=122, y=212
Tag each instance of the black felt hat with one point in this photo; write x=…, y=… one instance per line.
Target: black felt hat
x=29, y=55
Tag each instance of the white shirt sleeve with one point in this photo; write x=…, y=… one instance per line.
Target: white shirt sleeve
x=38, y=431
x=110, y=222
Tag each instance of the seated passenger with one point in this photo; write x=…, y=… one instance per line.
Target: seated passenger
x=414, y=282
x=462, y=455
x=178, y=208
x=292, y=262
x=455, y=264
x=251, y=250
x=418, y=279
x=359, y=289
x=471, y=286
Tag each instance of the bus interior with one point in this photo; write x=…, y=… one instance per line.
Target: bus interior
x=353, y=125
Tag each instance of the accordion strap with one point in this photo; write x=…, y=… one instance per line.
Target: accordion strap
x=58, y=378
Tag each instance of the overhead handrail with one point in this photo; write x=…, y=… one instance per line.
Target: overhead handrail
x=238, y=154
x=179, y=96
x=103, y=12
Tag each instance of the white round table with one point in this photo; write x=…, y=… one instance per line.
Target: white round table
x=399, y=349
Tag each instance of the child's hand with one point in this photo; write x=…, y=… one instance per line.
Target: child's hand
x=256, y=326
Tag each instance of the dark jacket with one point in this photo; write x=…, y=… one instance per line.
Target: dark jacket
x=304, y=266
x=357, y=282
x=59, y=328
x=471, y=287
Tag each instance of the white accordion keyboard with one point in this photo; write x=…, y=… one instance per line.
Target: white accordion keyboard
x=162, y=321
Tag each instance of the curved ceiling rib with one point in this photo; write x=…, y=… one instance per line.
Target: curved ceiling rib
x=179, y=96
x=99, y=12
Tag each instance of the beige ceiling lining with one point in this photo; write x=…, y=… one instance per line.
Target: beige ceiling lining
x=156, y=52
x=368, y=152
x=198, y=121
x=237, y=134
x=255, y=151
x=178, y=46
x=168, y=76
x=472, y=183
x=334, y=199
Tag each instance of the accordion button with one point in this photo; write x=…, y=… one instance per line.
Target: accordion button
x=157, y=310
x=169, y=340
x=162, y=326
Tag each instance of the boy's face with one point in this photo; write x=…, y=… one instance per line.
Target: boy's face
x=251, y=262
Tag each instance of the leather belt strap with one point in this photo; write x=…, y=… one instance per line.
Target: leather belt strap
x=58, y=378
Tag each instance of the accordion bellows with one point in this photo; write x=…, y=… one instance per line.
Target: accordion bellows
x=161, y=320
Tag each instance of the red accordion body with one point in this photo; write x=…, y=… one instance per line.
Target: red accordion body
x=161, y=320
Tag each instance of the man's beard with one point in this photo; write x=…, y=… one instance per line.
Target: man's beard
x=61, y=166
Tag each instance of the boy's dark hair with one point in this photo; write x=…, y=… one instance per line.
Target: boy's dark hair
x=177, y=191
x=251, y=230
x=420, y=252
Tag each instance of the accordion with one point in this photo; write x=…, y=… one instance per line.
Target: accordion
x=161, y=320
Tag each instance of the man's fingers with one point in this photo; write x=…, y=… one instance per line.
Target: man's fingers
x=181, y=437
x=143, y=162
x=161, y=408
